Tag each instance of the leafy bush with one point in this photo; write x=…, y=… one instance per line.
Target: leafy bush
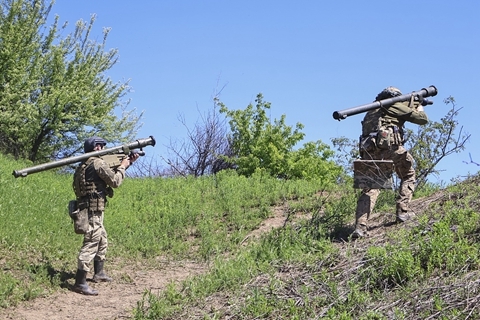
x=389, y=266
x=257, y=143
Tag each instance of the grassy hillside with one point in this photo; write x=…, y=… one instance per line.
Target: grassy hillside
x=176, y=218
x=425, y=269
x=307, y=269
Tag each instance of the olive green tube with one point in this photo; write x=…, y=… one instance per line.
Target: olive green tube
x=137, y=144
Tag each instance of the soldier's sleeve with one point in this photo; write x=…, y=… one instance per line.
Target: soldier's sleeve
x=419, y=117
x=112, y=178
x=403, y=111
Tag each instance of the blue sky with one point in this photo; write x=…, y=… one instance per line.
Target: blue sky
x=308, y=58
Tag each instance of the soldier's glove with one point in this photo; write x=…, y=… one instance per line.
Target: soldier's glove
x=109, y=192
x=417, y=103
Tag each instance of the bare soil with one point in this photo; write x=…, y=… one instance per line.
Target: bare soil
x=117, y=299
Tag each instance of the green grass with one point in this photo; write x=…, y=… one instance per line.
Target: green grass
x=299, y=271
x=178, y=218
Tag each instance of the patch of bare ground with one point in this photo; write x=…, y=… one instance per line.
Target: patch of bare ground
x=280, y=217
x=116, y=299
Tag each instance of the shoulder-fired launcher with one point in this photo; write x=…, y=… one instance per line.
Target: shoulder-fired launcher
x=418, y=95
x=112, y=156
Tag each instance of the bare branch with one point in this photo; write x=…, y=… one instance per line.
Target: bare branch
x=203, y=151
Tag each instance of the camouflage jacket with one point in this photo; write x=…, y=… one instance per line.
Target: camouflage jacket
x=395, y=115
x=93, y=181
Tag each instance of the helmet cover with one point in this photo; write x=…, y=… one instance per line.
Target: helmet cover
x=90, y=143
x=388, y=92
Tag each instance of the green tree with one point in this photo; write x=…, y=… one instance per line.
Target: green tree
x=53, y=91
x=257, y=143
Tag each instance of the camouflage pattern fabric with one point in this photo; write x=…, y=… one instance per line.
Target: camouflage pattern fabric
x=98, y=178
x=94, y=242
x=373, y=174
x=371, y=121
x=380, y=124
x=388, y=92
x=401, y=112
x=111, y=178
x=365, y=204
x=403, y=165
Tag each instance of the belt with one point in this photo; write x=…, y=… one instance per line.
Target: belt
x=94, y=195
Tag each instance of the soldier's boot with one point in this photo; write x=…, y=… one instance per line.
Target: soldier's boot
x=81, y=285
x=100, y=275
x=360, y=231
x=403, y=214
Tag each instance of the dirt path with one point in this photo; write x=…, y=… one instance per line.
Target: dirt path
x=115, y=300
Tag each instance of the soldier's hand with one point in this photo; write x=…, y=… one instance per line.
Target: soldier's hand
x=125, y=163
x=110, y=192
x=420, y=108
x=133, y=157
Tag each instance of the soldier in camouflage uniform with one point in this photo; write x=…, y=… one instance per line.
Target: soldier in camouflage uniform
x=382, y=139
x=93, y=182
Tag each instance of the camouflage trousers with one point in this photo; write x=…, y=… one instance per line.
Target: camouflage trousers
x=403, y=165
x=94, y=242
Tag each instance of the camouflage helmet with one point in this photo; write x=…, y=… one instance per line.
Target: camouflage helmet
x=90, y=143
x=387, y=93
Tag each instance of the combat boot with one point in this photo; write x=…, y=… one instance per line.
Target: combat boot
x=81, y=285
x=403, y=216
x=100, y=275
x=360, y=231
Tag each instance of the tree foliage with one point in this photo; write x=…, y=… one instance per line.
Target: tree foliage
x=347, y=152
x=54, y=92
x=257, y=143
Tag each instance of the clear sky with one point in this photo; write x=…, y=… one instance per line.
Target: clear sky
x=308, y=58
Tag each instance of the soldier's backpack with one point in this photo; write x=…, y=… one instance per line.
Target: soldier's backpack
x=375, y=133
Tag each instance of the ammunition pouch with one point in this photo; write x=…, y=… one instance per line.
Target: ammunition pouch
x=79, y=210
x=368, y=144
x=384, y=138
x=381, y=139
x=396, y=135
x=79, y=214
x=94, y=201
